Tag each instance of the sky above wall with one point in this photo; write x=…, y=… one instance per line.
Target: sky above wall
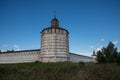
x=91, y=23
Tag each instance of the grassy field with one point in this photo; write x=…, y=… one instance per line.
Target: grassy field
x=59, y=71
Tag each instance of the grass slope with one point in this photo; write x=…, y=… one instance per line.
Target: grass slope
x=59, y=71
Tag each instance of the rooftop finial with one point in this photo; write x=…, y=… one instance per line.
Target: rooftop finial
x=54, y=21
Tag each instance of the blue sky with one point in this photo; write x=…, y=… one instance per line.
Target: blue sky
x=91, y=23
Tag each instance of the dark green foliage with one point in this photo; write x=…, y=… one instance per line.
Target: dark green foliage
x=100, y=57
x=59, y=71
x=108, y=54
x=81, y=64
x=118, y=58
x=36, y=61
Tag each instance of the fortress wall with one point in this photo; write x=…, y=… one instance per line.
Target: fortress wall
x=79, y=58
x=19, y=57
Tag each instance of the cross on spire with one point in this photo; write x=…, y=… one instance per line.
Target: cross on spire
x=54, y=21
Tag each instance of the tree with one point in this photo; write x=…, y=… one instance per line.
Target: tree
x=118, y=57
x=108, y=54
x=100, y=57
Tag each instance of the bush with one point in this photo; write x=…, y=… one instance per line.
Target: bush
x=37, y=61
x=81, y=64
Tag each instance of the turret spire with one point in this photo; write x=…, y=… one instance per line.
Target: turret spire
x=54, y=22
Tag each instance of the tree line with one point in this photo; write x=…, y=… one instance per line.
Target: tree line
x=109, y=54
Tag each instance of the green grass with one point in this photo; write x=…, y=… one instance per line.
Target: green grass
x=59, y=71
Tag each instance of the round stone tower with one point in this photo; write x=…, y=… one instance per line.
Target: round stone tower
x=54, y=43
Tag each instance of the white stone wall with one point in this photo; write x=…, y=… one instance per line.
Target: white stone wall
x=79, y=58
x=32, y=56
x=18, y=57
x=54, y=45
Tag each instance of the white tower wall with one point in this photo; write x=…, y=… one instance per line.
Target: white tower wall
x=54, y=45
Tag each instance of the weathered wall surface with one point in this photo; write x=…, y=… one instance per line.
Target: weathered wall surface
x=54, y=45
x=79, y=58
x=18, y=57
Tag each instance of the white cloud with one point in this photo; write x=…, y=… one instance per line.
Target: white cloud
x=3, y=50
x=115, y=42
x=16, y=47
x=99, y=48
x=102, y=39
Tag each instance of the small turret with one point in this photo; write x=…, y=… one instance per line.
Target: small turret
x=54, y=23
x=94, y=55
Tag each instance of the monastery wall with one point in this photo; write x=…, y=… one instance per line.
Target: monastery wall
x=32, y=56
x=18, y=57
x=79, y=58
